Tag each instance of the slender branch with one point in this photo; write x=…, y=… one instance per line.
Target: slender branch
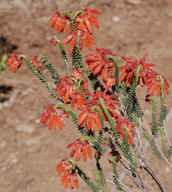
x=152, y=173
x=157, y=145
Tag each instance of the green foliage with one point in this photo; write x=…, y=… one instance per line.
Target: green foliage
x=169, y=152
x=125, y=148
x=163, y=110
x=51, y=69
x=116, y=64
x=152, y=144
x=76, y=58
x=116, y=177
x=63, y=55
x=154, y=121
x=3, y=61
x=110, y=120
x=86, y=179
x=101, y=179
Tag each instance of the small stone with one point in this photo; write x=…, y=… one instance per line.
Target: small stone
x=37, y=121
x=1, y=106
x=3, y=168
x=167, y=169
x=134, y=2
x=14, y=161
x=6, y=104
x=25, y=128
x=32, y=141
x=3, y=144
x=116, y=19
x=147, y=112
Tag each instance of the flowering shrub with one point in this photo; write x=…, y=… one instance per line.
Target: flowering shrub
x=108, y=108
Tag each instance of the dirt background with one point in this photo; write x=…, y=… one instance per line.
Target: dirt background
x=29, y=152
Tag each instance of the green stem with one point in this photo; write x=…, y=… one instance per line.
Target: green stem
x=41, y=77
x=109, y=117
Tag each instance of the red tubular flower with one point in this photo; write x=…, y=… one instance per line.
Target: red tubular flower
x=77, y=98
x=78, y=75
x=108, y=102
x=90, y=117
x=130, y=68
x=14, y=62
x=69, y=174
x=84, y=37
x=153, y=82
x=59, y=21
x=37, y=64
x=100, y=64
x=66, y=87
x=55, y=116
x=80, y=146
x=53, y=41
x=69, y=88
x=122, y=125
x=86, y=19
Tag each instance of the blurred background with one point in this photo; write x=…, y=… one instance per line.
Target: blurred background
x=29, y=152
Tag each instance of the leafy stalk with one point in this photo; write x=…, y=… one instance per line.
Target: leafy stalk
x=51, y=69
x=40, y=76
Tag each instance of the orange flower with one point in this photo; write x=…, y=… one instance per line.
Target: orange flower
x=122, y=125
x=14, y=62
x=153, y=82
x=55, y=116
x=66, y=87
x=90, y=117
x=81, y=146
x=69, y=174
x=86, y=19
x=108, y=101
x=53, y=41
x=84, y=37
x=131, y=67
x=59, y=21
x=100, y=64
x=37, y=64
x=69, y=88
x=78, y=75
x=77, y=98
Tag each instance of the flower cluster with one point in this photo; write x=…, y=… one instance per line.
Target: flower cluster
x=83, y=36
x=83, y=19
x=81, y=146
x=91, y=116
x=100, y=64
x=82, y=27
x=37, y=64
x=73, y=87
x=149, y=77
x=123, y=126
x=69, y=174
x=60, y=21
x=14, y=62
x=55, y=116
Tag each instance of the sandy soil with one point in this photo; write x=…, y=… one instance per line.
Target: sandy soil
x=29, y=151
